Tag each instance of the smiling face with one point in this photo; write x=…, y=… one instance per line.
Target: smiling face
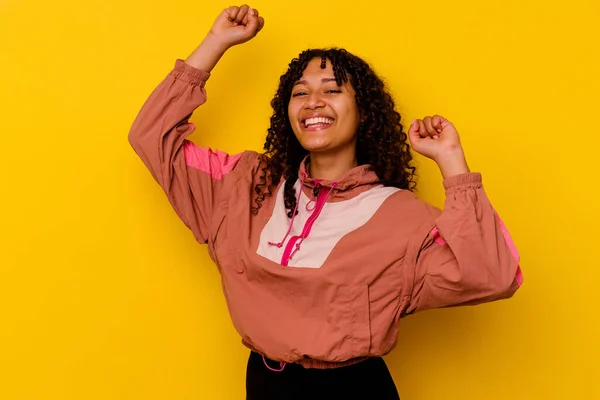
x=323, y=115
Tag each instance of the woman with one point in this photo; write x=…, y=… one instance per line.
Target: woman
x=320, y=243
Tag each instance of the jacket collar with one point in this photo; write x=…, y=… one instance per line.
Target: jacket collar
x=359, y=179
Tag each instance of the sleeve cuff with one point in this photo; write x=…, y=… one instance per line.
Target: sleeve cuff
x=187, y=73
x=468, y=180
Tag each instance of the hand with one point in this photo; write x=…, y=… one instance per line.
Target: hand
x=236, y=25
x=436, y=138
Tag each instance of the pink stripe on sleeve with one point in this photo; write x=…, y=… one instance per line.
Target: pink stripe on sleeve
x=513, y=249
x=507, y=238
x=213, y=162
x=437, y=237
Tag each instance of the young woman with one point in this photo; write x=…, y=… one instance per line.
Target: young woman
x=321, y=245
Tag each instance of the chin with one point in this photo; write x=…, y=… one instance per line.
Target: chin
x=314, y=142
x=315, y=147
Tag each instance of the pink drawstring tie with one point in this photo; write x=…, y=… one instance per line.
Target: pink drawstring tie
x=293, y=214
x=303, y=234
x=281, y=365
x=315, y=197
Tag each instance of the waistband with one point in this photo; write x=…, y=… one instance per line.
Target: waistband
x=312, y=363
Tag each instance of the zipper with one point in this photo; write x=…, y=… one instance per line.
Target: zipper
x=289, y=248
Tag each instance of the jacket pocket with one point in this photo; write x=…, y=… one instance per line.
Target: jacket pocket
x=349, y=313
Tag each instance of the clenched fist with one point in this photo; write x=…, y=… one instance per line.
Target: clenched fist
x=436, y=138
x=237, y=25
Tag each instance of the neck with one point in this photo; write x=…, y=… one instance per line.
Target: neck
x=332, y=166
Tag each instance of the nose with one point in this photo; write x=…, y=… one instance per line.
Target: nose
x=314, y=100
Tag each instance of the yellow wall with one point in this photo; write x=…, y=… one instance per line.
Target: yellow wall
x=105, y=295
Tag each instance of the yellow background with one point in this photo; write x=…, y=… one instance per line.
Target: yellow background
x=105, y=295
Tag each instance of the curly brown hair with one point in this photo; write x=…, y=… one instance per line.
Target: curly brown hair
x=381, y=142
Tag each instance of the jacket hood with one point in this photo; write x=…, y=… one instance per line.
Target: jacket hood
x=359, y=179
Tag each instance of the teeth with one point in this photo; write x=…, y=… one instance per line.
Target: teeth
x=319, y=120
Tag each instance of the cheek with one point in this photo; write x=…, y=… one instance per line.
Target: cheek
x=353, y=110
x=351, y=117
x=293, y=112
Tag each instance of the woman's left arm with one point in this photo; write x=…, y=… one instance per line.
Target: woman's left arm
x=467, y=257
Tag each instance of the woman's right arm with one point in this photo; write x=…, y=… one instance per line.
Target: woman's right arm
x=191, y=177
x=235, y=25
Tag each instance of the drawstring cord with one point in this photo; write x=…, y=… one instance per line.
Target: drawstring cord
x=281, y=365
x=315, y=196
x=293, y=214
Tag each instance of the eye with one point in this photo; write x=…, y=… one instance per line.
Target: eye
x=333, y=91
x=298, y=94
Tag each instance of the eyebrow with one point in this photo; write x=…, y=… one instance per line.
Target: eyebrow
x=324, y=80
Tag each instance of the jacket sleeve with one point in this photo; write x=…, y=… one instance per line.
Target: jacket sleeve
x=463, y=255
x=192, y=177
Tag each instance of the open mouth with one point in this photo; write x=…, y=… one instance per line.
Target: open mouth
x=317, y=123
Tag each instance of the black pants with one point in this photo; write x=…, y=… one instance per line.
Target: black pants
x=370, y=380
